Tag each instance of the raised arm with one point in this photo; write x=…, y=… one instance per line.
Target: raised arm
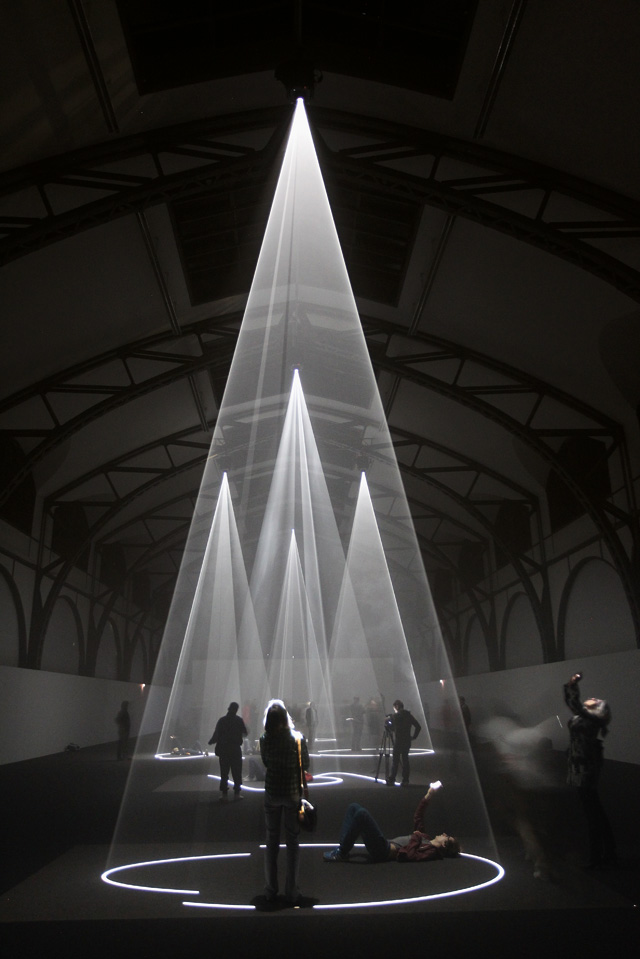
x=418, y=816
x=572, y=695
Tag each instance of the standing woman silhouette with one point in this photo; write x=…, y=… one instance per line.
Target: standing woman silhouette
x=279, y=753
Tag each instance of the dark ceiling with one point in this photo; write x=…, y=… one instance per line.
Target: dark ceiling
x=419, y=46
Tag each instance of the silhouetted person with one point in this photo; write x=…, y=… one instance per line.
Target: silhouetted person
x=228, y=735
x=401, y=724
x=311, y=720
x=373, y=714
x=279, y=753
x=588, y=724
x=357, y=723
x=123, y=723
x=416, y=847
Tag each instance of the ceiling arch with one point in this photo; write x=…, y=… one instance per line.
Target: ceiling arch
x=563, y=215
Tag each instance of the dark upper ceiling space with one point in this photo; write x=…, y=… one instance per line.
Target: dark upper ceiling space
x=419, y=46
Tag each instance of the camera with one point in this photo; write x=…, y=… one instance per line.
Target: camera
x=388, y=721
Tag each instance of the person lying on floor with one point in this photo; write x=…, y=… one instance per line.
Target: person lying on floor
x=418, y=847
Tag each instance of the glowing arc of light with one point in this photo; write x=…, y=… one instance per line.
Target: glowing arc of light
x=106, y=875
x=377, y=902
x=330, y=778
x=437, y=895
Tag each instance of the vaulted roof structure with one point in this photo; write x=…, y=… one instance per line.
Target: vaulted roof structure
x=481, y=161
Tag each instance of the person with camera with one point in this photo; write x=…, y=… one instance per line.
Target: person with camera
x=416, y=847
x=587, y=727
x=357, y=724
x=400, y=723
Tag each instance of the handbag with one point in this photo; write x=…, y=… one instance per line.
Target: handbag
x=307, y=812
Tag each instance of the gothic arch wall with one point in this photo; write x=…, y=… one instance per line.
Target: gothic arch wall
x=108, y=652
x=13, y=632
x=520, y=635
x=477, y=656
x=63, y=646
x=594, y=616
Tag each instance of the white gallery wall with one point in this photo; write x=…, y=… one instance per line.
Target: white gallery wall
x=533, y=696
x=42, y=712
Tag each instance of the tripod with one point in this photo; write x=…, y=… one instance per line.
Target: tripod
x=385, y=750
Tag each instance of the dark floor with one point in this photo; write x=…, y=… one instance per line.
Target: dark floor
x=58, y=819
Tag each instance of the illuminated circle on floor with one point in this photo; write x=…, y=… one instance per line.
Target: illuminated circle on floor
x=328, y=779
x=175, y=757
x=319, y=779
x=410, y=899
x=369, y=752
x=107, y=877
x=108, y=873
x=334, y=753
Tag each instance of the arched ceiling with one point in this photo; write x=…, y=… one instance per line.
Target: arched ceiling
x=482, y=165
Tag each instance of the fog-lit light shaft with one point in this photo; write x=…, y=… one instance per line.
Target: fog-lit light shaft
x=296, y=667
x=368, y=632
x=221, y=622
x=300, y=577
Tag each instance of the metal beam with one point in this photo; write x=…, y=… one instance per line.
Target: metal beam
x=367, y=169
